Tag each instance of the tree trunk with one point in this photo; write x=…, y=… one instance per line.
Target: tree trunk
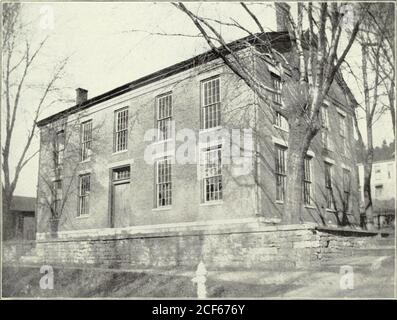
x=369, y=223
x=293, y=196
x=54, y=226
x=298, y=144
x=367, y=178
x=392, y=110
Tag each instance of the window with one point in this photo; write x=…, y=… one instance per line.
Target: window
x=378, y=191
x=164, y=117
x=276, y=82
x=86, y=140
x=342, y=132
x=280, y=173
x=84, y=194
x=378, y=173
x=163, y=183
x=121, y=174
x=307, y=181
x=59, y=148
x=325, y=128
x=211, y=103
x=346, y=189
x=281, y=122
x=212, y=173
x=121, y=130
x=57, y=189
x=329, y=197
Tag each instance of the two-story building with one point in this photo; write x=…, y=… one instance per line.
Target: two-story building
x=106, y=179
x=189, y=145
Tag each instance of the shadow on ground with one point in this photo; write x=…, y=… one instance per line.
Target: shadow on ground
x=371, y=280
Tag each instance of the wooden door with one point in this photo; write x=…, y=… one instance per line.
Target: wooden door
x=121, y=204
x=121, y=197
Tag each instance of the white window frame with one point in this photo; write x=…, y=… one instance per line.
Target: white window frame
x=86, y=140
x=277, y=86
x=280, y=174
x=59, y=148
x=120, y=142
x=329, y=189
x=326, y=129
x=342, y=132
x=281, y=122
x=164, y=185
x=207, y=106
x=212, y=178
x=346, y=193
x=84, y=195
x=308, y=181
x=162, y=117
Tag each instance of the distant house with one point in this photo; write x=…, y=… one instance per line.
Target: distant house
x=383, y=189
x=20, y=222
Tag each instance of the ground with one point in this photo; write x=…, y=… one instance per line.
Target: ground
x=373, y=278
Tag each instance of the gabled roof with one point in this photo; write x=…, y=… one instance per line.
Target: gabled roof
x=26, y=204
x=279, y=40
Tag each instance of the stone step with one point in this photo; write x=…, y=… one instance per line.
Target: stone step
x=384, y=241
x=375, y=251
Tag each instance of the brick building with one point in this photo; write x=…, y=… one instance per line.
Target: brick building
x=110, y=183
x=117, y=165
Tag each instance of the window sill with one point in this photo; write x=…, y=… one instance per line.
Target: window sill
x=84, y=216
x=163, y=141
x=309, y=207
x=167, y=208
x=330, y=210
x=279, y=202
x=119, y=152
x=211, y=203
x=202, y=131
x=85, y=161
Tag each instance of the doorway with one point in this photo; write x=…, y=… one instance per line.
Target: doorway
x=121, y=197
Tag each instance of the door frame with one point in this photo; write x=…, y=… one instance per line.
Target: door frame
x=113, y=183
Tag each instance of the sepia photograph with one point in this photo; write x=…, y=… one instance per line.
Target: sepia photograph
x=198, y=151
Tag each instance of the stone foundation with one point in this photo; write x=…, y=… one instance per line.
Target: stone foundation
x=252, y=245
x=13, y=250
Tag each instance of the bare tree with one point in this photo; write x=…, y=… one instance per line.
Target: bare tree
x=19, y=58
x=65, y=146
x=381, y=24
x=313, y=71
x=376, y=80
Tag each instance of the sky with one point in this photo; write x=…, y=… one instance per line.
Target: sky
x=105, y=50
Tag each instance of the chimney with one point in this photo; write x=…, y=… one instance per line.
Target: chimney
x=282, y=11
x=81, y=95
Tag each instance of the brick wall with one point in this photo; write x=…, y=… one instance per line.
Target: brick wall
x=239, y=198
x=242, y=197
x=269, y=133
x=13, y=250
